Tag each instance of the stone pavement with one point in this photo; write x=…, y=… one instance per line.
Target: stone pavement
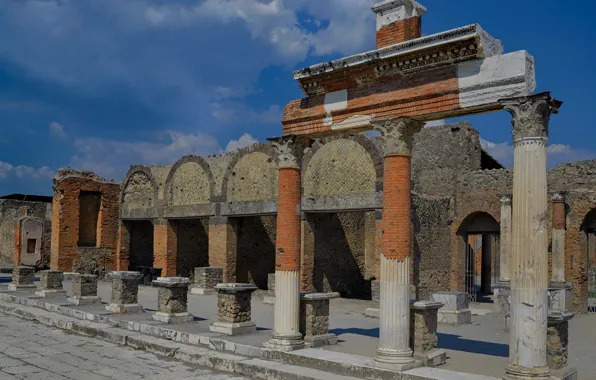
x=33, y=351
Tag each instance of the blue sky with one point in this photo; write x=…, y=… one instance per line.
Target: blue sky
x=103, y=84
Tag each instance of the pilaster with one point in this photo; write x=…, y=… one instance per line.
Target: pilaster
x=165, y=247
x=123, y=246
x=223, y=246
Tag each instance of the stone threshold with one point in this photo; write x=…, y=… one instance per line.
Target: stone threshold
x=210, y=350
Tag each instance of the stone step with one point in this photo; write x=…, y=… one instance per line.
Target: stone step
x=263, y=369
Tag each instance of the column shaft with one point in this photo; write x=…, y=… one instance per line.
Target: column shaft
x=165, y=247
x=558, y=241
x=123, y=247
x=505, y=243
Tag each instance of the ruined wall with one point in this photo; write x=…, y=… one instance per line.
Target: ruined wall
x=339, y=166
x=138, y=192
x=256, y=249
x=218, y=166
x=193, y=245
x=9, y=215
x=253, y=178
x=431, y=219
x=339, y=258
x=189, y=185
x=160, y=173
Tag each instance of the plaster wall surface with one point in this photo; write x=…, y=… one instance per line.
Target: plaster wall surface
x=253, y=178
x=189, y=185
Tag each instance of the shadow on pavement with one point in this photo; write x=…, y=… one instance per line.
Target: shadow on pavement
x=457, y=343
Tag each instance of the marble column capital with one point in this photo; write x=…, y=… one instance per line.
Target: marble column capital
x=398, y=134
x=505, y=199
x=289, y=149
x=531, y=114
x=558, y=196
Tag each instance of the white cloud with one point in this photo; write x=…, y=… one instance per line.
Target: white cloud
x=57, y=130
x=24, y=172
x=244, y=141
x=556, y=153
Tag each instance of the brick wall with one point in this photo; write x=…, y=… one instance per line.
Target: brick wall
x=288, y=221
x=165, y=245
x=400, y=31
x=223, y=246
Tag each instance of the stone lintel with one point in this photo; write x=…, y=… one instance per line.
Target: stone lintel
x=559, y=316
x=235, y=288
x=125, y=275
x=171, y=282
x=559, y=285
x=318, y=296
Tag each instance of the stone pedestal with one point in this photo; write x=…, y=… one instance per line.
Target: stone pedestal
x=502, y=291
x=125, y=292
x=205, y=280
x=50, y=284
x=270, y=297
x=172, y=300
x=557, y=345
x=22, y=279
x=455, y=309
x=234, y=309
x=423, y=333
x=84, y=290
x=559, y=294
x=314, y=319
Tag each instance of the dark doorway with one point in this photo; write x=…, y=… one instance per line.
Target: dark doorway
x=141, y=244
x=193, y=245
x=256, y=249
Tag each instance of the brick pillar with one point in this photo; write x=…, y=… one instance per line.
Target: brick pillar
x=529, y=249
x=165, y=247
x=398, y=21
x=223, y=246
x=307, y=254
x=286, y=335
x=123, y=246
x=394, y=314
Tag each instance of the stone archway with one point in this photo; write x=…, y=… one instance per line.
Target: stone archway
x=480, y=233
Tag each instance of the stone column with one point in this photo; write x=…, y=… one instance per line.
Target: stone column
x=505, y=244
x=394, y=315
x=123, y=246
x=172, y=300
x=205, y=280
x=529, y=250
x=559, y=288
x=286, y=335
x=234, y=309
x=125, y=292
x=50, y=284
x=23, y=279
x=84, y=290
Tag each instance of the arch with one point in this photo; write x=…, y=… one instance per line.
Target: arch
x=252, y=175
x=139, y=188
x=189, y=181
x=342, y=165
x=479, y=221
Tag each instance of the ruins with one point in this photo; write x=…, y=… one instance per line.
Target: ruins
x=395, y=215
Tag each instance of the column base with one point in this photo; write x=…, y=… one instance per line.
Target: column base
x=85, y=300
x=51, y=293
x=434, y=358
x=395, y=357
x=567, y=373
x=124, y=308
x=522, y=373
x=173, y=318
x=233, y=328
x=314, y=341
x=285, y=343
x=372, y=312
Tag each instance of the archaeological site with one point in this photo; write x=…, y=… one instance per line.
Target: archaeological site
x=352, y=201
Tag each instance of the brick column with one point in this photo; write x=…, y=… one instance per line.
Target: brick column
x=307, y=254
x=529, y=250
x=223, y=246
x=286, y=335
x=123, y=246
x=165, y=247
x=398, y=21
x=394, y=331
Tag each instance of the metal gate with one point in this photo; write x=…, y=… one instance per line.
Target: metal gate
x=591, y=271
x=473, y=248
x=481, y=264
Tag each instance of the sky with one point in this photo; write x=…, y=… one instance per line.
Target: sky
x=104, y=84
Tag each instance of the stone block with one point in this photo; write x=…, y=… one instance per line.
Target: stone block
x=423, y=333
x=234, y=309
x=314, y=319
x=206, y=278
x=455, y=308
x=51, y=280
x=125, y=291
x=559, y=296
x=557, y=340
x=22, y=279
x=172, y=300
x=84, y=289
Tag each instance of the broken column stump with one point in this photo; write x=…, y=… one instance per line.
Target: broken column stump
x=557, y=345
x=455, y=310
x=423, y=333
x=84, y=290
x=22, y=279
x=234, y=309
x=125, y=292
x=314, y=319
x=269, y=298
x=50, y=284
x=205, y=280
x=172, y=298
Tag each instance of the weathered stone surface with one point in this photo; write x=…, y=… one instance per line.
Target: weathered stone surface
x=125, y=291
x=172, y=294
x=50, y=280
x=375, y=289
x=314, y=318
x=234, y=309
x=455, y=310
x=423, y=332
x=22, y=275
x=84, y=285
x=208, y=277
x=271, y=284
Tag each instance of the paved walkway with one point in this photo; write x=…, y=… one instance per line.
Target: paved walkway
x=32, y=351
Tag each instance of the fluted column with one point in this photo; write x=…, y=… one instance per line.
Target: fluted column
x=529, y=250
x=286, y=335
x=394, y=314
x=505, y=243
x=558, y=237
